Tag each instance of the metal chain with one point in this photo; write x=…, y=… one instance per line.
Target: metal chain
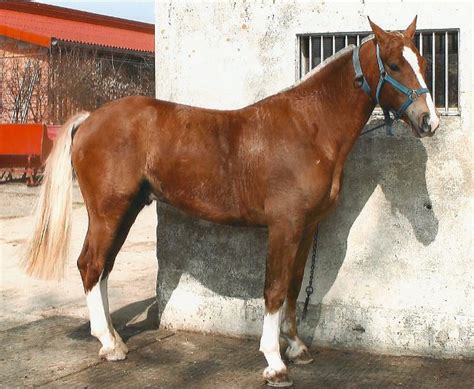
x=309, y=288
x=373, y=129
x=387, y=123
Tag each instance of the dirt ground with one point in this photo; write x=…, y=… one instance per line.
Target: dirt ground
x=45, y=338
x=25, y=299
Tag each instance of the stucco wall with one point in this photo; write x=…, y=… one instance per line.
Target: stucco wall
x=395, y=259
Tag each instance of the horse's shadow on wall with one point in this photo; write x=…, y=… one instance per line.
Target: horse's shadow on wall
x=235, y=267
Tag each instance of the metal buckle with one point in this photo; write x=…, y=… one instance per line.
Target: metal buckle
x=358, y=82
x=413, y=95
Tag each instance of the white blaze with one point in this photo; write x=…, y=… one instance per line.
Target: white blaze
x=412, y=59
x=269, y=343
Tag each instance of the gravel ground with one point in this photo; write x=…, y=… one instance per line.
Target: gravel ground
x=18, y=200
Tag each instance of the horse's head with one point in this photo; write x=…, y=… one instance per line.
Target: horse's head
x=401, y=85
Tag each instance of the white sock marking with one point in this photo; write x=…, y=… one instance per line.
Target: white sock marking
x=412, y=59
x=98, y=304
x=269, y=343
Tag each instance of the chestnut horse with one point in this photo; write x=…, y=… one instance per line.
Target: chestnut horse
x=276, y=163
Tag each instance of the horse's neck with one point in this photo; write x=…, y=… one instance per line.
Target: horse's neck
x=339, y=109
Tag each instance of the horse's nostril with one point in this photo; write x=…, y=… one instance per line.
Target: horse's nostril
x=425, y=123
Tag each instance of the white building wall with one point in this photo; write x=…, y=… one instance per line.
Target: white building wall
x=399, y=287
x=227, y=54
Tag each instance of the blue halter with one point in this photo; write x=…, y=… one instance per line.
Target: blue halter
x=412, y=94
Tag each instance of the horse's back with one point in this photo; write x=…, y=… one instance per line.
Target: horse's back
x=194, y=160
x=218, y=165
x=184, y=154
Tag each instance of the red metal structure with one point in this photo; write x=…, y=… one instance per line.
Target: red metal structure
x=23, y=151
x=43, y=25
x=36, y=42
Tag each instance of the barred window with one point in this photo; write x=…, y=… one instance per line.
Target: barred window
x=440, y=48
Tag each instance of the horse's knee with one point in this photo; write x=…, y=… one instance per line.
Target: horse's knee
x=275, y=296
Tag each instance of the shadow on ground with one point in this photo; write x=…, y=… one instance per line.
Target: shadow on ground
x=42, y=353
x=124, y=320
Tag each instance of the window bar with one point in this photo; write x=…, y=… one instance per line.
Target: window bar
x=322, y=48
x=300, y=53
x=433, y=67
x=303, y=62
x=446, y=75
x=457, y=81
x=444, y=55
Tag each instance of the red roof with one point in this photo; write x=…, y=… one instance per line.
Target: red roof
x=40, y=24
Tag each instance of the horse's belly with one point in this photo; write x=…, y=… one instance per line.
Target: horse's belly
x=205, y=197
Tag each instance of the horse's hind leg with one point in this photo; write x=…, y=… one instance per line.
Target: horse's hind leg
x=105, y=236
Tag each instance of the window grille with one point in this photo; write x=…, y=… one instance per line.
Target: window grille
x=442, y=73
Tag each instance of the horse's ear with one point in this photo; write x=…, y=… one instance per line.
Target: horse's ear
x=411, y=29
x=380, y=35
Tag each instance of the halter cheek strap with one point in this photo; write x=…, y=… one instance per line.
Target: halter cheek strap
x=412, y=94
x=359, y=75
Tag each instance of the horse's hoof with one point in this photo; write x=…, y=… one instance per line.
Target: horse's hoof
x=298, y=357
x=277, y=379
x=120, y=344
x=302, y=358
x=115, y=354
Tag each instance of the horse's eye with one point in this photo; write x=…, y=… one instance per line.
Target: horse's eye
x=394, y=67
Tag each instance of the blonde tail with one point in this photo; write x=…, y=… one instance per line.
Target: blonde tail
x=48, y=248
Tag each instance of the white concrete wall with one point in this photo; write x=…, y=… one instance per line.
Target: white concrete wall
x=399, y=271
x=226, y=54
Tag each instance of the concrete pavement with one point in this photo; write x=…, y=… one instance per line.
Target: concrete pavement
x=45, y=338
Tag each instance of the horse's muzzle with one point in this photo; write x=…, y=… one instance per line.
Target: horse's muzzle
x=425, y=128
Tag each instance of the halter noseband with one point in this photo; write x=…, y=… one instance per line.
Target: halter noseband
x=412, y=94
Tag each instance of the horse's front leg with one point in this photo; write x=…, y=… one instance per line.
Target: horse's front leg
x=297, y=352
x=283, y=243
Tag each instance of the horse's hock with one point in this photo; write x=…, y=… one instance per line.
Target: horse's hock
x=394, y=269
